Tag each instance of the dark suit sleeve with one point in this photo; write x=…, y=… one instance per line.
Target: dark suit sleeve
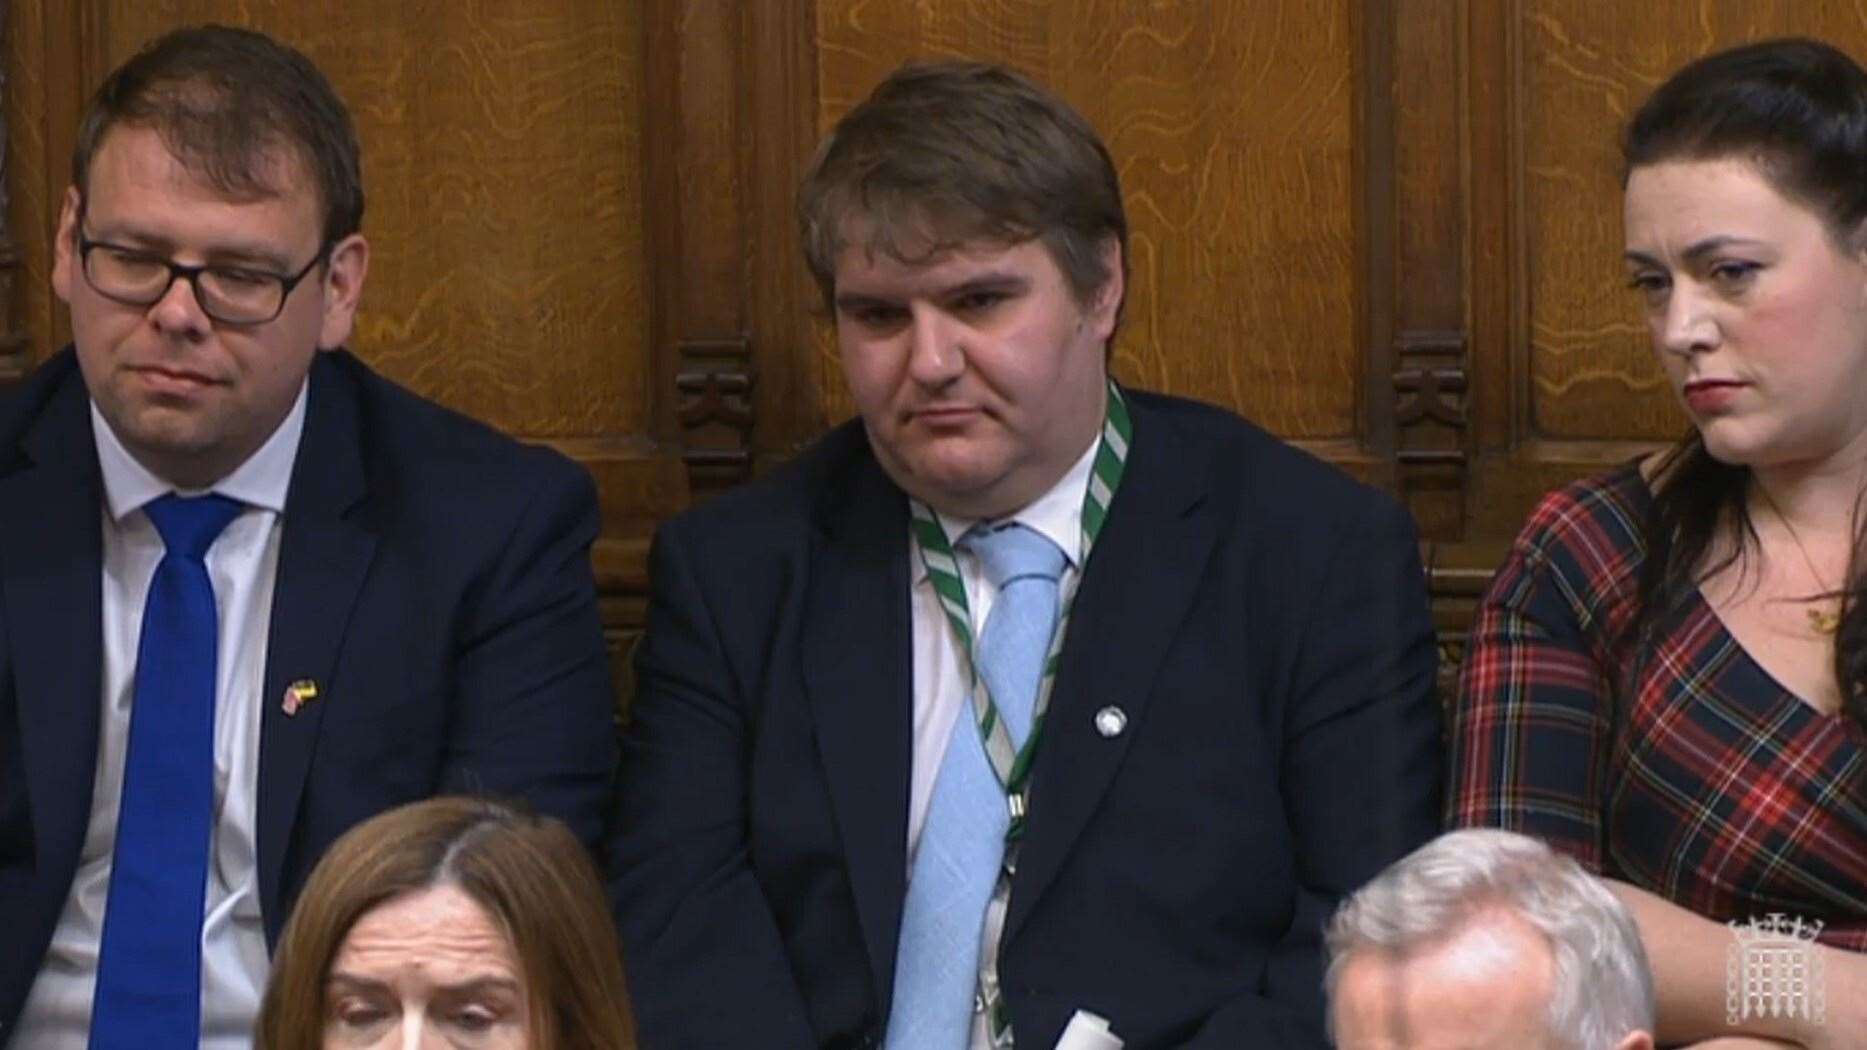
x=705, y=963
x=534, y=710
x=1362, y=761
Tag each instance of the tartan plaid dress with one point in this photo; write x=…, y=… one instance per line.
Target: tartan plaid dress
x=1687, y=769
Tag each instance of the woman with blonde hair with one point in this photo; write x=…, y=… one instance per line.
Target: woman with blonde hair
x=455, y=922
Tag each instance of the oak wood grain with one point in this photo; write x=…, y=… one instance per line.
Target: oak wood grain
x=500, y=159
x=1588, y=66
x=1232, y=127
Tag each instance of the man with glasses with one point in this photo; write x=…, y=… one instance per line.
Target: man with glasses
x=230, y=294
x=250, y=593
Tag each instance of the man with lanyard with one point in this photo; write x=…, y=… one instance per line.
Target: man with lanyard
x=1026, y=703
x=251, y=593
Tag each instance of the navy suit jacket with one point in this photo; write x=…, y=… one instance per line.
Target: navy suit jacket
x=1259, y=617
x=433, y=580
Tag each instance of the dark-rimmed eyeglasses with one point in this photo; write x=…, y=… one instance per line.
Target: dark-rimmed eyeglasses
x=236, y=295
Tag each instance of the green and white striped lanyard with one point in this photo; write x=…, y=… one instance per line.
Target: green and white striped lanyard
x=1012, y=765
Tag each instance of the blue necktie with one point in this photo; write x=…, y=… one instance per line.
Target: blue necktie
x=149, y=965
x=963, y=840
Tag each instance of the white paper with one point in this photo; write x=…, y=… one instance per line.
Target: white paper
x=1086, y=1031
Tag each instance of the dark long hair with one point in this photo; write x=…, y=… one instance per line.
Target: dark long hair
x=1798, y=110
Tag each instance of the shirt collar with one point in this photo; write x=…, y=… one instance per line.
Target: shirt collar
x=261, y=481
x=1057, y=514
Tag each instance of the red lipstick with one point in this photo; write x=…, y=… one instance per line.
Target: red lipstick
x=1711, y=396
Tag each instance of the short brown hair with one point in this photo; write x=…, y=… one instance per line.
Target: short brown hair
x=225, y=102
x=529, y=872
x=944, y=153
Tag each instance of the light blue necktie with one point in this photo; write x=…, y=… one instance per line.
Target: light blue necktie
x=963, y=840
x=149, y=964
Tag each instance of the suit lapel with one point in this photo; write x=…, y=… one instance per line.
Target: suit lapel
x=324, y=553
x=856, y=667
x=51, y=580
x=1141, y=577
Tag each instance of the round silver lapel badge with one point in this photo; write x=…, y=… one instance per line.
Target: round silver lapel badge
x=1111, y=720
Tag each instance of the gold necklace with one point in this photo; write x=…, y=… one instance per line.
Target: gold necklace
x=1824, y=620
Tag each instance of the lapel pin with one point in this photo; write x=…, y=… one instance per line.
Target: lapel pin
x=1111, y=720
x=298, y=694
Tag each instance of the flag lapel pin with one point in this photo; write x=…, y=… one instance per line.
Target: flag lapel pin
x=298, y=694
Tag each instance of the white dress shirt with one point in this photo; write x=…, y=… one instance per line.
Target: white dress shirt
x=940, y=682
x=242, y=564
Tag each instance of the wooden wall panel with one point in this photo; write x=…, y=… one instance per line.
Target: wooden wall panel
x=1587, y=67
x=1591, y=371
x=1233, y=130
x=519, y=306
x=41, y=95
x=1387, y=231
x=1426, y=340
x=503, y=163
x=1563, y=382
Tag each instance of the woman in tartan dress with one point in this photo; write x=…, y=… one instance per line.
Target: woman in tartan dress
x=1668, y=676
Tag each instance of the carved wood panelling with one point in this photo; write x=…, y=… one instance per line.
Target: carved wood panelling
x=508, y=278
x=1428, y=335
x=785, y=320
x=42, y=94
x=13, y=339
x=716, y=382
x=729, y=85
x=1563, y=381
x=502, y=161
x=1431, y=451
x=1457, y=575
x=1388, y=232
x=1586, y=68
x=1233, y=127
